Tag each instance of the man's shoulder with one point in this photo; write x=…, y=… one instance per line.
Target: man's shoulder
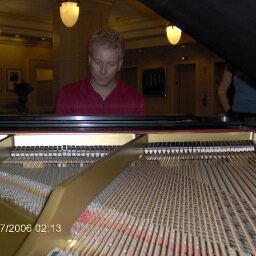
x=133, y=98
x=129, y=89
x=74, y=87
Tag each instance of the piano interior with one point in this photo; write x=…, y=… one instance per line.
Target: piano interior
x=138, y=186
x=170, y=192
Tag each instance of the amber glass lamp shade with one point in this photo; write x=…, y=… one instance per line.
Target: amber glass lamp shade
x=173, y=34
x=69, y=12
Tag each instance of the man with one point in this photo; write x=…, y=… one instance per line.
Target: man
x=101, y=92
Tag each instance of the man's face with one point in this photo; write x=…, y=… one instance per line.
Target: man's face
x=104, y=65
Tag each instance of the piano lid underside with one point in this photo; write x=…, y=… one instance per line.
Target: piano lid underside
x=225, y=27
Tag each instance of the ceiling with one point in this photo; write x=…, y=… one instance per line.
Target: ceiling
x=28, y=8
x=137, y=22
x=121, y=8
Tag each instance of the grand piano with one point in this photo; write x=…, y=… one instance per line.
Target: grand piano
x=141, y=185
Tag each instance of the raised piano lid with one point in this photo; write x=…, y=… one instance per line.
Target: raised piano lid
x=225, y=27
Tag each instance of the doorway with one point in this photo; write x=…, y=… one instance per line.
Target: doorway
x=185, y=89
x=41, y=99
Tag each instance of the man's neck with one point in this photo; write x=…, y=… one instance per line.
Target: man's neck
x=103, y=91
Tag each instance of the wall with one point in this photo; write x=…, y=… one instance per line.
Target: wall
x=16, y=55
x=67, y=52
x=168, y=56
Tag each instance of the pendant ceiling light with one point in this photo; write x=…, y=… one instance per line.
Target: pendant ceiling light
x=69, y=12
x=173, y=34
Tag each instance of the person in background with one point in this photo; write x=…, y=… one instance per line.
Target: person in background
x=101, y=92
x=244, y=98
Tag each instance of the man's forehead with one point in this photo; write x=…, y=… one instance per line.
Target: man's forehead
x=105, y=51
x=104, y=47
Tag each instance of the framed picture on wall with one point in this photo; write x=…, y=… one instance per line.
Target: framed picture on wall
x=13, y=77
x=154, y=82
x=44, y=74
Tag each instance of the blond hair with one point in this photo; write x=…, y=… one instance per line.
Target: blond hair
x=109, y=39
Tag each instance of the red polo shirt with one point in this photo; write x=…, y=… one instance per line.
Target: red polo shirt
x=79, y=98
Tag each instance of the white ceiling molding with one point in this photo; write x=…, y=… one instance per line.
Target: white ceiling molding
x=25, y=25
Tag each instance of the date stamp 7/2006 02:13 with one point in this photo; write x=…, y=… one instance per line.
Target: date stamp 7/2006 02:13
x=38, y=228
